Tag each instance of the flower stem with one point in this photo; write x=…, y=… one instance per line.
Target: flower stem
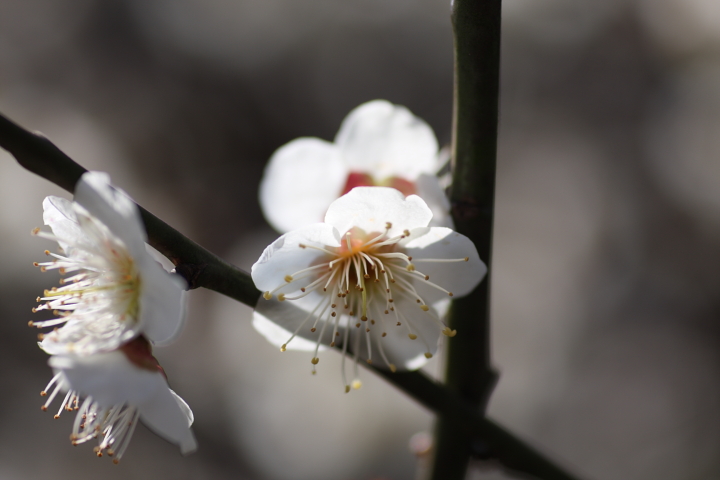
x=198, y=266
x=476, y=27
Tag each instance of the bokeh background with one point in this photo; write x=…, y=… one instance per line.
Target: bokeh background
x=606, y=292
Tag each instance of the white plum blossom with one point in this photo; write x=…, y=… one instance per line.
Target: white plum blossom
x=373, y=280
x=110, y=391
x=378, y=144
x=113, y=290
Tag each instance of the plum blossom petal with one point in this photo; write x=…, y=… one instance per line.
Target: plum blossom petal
x=114, y=208
x=378, y=144
x=111, y=293
x=360, y=282
x=387, y=140
x=432, y=248
x=428, y=188
x=301, y=179
x=111, y=391
x=371, y=208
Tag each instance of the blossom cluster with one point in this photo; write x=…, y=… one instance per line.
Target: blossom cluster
x=367, y=263
x=376, y=277
x=113, y=303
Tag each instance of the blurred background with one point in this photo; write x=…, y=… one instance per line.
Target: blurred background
x=607, y=242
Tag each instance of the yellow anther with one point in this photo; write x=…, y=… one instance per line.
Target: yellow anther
x=356, y=384
x=347, y=388
x=412, y=336
x=467, y=258
x=406, y=233
x=315, y=361
x=284, y=347
x=450, y=333
x=424, y=308
x=428, y=355
x=392, y=368
x=281, y=297
x=31, y=323
x=388, y=225
x=267, y=295
x=288, y=278
x=410, y=267
x=35, y=231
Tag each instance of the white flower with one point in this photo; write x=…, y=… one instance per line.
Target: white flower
x=114, y=289
x=373, y=279
x=111, y=391
x=379, y=144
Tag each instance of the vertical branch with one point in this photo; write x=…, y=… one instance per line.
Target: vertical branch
x=476, y=26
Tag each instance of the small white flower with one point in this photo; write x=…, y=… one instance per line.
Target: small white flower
x=378, y=144
x=111, y=391
x=373, y=279
x=114, y=290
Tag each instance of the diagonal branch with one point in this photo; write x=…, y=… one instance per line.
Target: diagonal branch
x=200, y=267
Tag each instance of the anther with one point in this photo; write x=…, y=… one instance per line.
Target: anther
x=450, y=294
x=388, y=225
x=31, y=323
x=35, y=231
x=41, y=336
x=56, y=416
x=384, y=334
x=333, y=305
x=288, y=278
x=347, y=388
x=302, y=245
x=410, y=267
x=369, y=361
x=356, y=384
x=450, y=333
x=386, y=312
x=357, y=325
x=284, y=347
x=43, y=408
x=467, y=258
x=392, y=368
x=313, y=329
x=406, y=233
x=333, y=314
x=428, y=355
x=412, y=336
x=367, y=330
x=267, y=295
x=315, y=361
x=363, y=318
x=281, y=297
x=43, y=393
x=332, y=344
x=424, y=308
x=36, y=264
x=372, y=321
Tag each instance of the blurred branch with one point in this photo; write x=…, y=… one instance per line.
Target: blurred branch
x=469, y=373
x=202, y=268
x=489, y=440
x=198, y=266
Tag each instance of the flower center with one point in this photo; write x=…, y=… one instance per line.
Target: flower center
x=357, y=179
x=360, y=284
x=102, y=292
